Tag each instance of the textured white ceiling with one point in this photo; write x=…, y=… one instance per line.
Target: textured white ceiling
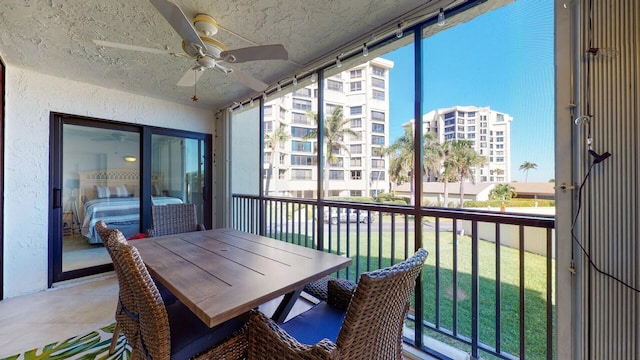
x=56, y=37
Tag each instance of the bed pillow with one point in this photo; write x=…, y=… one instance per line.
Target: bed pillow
x=102, y=192
x=119, y=191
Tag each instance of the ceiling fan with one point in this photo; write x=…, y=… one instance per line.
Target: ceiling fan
x=208, y=53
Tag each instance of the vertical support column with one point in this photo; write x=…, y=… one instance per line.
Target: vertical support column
x=261, y=202
x=475, y=289
x=321, y=169
x=417, y=176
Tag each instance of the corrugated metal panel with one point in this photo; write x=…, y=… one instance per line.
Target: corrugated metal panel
x=610, y=218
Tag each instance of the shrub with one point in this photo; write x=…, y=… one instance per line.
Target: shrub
x=351, y=198
x=509, y=203
x=388, y=198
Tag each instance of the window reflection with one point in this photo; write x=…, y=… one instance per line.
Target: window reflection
x=100, y=182
x=178, y=171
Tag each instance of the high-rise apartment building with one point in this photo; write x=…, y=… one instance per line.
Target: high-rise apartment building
x=489, y=132
x=357, y=166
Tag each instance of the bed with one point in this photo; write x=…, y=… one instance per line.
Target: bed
x=113, y=196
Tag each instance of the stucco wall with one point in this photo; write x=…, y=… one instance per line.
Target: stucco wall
x=30, y=97
x=535, y=239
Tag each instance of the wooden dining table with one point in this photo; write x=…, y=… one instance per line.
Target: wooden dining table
x=222, y=273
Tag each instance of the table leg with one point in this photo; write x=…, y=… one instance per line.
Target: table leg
x=280, y=315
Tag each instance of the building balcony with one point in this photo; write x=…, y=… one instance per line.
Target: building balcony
x=486, y=290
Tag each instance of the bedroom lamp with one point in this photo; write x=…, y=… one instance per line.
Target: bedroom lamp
x=73, y=185
x=130, y=159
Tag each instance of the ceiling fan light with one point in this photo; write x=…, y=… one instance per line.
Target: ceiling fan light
x=205, y=24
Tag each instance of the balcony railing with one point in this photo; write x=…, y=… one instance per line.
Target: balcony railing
x=487, y=286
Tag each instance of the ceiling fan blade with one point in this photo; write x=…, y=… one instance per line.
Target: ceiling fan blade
x=253, y=53
x=130, y=47
x=248, y=80
x=190, y=77
x=179, y=21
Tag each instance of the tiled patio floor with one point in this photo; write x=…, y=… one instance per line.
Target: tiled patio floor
x=69, y=309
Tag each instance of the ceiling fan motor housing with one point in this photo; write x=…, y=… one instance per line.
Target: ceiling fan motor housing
x=213, y=48
x=205, y=25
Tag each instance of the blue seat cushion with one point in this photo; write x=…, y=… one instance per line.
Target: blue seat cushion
x=190, y=336
x=319, y=322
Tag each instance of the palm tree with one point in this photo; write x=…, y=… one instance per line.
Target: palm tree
x=401, y=160
x=435, y=159
x=461, y=160
x=502, y=192
x=434, y=153
x=526, y=166
x=335, y=130
x=278, y=137
x=497, y=171
x=397, y=173
x=448, y=175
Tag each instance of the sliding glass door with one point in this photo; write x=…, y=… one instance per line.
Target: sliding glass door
x=177, y=165
x=100, y=181
x=116, y=172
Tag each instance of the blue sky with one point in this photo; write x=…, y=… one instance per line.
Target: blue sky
x=504, y=60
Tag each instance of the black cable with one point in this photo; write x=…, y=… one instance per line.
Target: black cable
x=575, y=238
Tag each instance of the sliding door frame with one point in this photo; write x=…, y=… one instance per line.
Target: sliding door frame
x=57, y=120
x=56, y=209
x=146, y=168
x=2, y=94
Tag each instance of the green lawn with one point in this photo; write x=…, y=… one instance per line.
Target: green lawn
x=535, y=284
x=535, y=293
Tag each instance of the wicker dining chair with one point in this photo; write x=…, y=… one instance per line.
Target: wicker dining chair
x=173, y=219
x=126, y=303
x=162, y=332
x=370, y=329
x=320, y=288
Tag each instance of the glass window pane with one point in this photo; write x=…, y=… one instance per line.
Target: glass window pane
x=290, y=149
x=397, y=123
x=177, y=166
x=509, y=110
x=245, y=162
x=101, y=181
x=357, y=138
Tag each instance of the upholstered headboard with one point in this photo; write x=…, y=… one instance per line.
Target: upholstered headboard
x=112, y=178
